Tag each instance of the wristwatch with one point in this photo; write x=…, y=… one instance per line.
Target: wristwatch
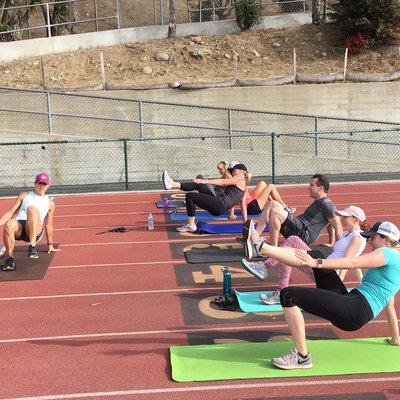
x=319, y=263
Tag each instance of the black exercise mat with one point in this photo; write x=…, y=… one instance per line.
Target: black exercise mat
x=27, y=268
x=214, y=254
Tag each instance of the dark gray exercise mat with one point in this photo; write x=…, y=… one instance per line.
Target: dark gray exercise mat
x=215, y=254
x=27, y=268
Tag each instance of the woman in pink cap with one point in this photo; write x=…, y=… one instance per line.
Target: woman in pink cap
x=351, y=244
x=34, y=212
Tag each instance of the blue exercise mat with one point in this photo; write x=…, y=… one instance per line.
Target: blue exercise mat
x=250, y=302
x=171, y=203
x=201, y=215
x=222, y=227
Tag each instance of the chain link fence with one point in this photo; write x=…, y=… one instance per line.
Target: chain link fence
x=98, y=143
x=64, y=17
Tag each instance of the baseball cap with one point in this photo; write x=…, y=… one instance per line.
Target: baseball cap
x=384, y=228
x=232, y=164
x=240, y=166
x=352, y=211
x=42, y=177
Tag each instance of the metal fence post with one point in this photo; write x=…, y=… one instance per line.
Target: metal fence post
x=230, y=128
x=49, y=119
x=161, y=12
x=273, y=157
x=96, y=15
x=117, y=5
x=141, y=120
x=126, y=166
x=48, y=20
x=316, y=136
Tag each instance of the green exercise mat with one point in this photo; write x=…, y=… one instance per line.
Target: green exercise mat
x=253, y=360
x=249, y=302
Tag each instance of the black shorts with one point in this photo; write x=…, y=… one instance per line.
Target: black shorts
x=24, y=236
x=293, y=226
x=253, y=208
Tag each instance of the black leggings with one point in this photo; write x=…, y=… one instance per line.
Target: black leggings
x=204, y=199
x=348, y=311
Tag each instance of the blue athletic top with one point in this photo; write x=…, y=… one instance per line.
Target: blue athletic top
x=379, y=285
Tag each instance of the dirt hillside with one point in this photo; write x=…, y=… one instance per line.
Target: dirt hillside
x=261, y=54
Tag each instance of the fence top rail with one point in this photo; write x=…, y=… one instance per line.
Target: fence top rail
x=305, y=135
x=67, y=94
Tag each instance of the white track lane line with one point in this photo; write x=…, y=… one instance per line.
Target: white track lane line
x=139, y=292
x=212, y=388
x=158, y=332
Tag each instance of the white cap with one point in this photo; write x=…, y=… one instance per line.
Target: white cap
x=384, y=228
x=352, y=211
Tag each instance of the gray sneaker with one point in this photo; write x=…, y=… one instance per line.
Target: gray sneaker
x=255, y=268
x=271, y=299
x=293, y=360
x=251, y=249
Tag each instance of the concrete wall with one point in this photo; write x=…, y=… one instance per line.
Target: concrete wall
x=10, y=51
x=373, y=101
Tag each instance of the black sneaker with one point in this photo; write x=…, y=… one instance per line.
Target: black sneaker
x=9, y=265
x=32, y=252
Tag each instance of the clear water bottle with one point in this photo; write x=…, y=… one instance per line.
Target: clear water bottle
x=226, y=279
x=150, y=222
x=165, y=204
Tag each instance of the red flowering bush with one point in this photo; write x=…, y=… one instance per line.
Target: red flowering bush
x=355, y=42
x=366, y=21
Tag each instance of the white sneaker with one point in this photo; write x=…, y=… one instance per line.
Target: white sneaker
x=167, y=181
x=187, y=228
x=255, y=268
x=271, y=298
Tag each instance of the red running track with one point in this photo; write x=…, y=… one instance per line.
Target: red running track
x=111, y=304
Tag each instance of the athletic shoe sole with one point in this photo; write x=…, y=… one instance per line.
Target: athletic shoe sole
x=297, y=366
x=248, y=245
x=252, y=271
x=163, y=178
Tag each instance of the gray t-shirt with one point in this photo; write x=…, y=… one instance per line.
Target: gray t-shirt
x=316, y=217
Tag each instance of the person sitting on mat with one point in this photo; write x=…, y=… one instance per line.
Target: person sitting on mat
x=320, y=214
x=215, y=203
x=35, y=212
x=347, y=310
x=260, y=195
x=351, y=244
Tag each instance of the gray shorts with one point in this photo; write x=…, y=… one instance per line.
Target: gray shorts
x=293, y=226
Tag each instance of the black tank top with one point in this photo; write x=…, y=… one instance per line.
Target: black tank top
x=231, y=196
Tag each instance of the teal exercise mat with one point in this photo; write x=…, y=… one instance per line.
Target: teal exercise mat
x=249, y=302
x=253, y=360
x=27, y=268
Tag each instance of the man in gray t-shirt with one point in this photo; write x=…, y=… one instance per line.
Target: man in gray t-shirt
x=309, y=225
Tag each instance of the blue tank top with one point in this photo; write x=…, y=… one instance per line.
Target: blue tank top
x=231, y=196
x=379, y=285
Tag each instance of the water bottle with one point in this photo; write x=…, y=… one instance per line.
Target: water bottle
x=165, y=204
x=150, y=222
x=226, y=275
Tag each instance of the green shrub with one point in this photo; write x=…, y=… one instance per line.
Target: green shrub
x=366, y=21
x=248, y=13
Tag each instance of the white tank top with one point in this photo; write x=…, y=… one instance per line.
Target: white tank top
x=340, y=247
x=42, y=203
